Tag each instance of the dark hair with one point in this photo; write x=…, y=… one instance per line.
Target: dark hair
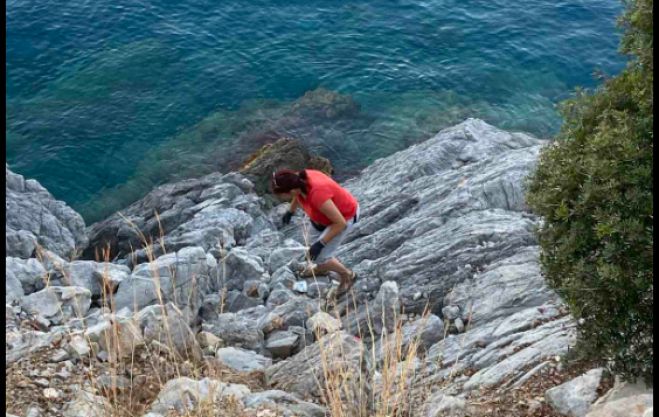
x=285, y=180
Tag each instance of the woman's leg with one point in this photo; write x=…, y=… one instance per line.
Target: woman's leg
x=334, y=265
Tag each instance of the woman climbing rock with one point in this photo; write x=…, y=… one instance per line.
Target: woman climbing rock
x=332, y=211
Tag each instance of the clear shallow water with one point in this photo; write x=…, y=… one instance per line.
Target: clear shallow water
x=105, y=99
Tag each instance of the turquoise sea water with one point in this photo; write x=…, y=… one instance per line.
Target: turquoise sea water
x=105, y=99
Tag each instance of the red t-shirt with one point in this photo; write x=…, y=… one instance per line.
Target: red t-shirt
x=321, y=188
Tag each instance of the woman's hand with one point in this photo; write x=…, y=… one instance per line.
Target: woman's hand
x=315, y=249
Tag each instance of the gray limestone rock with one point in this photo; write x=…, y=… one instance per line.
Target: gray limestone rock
x=419, y=335
x=214, y=212
x=237, y=331
x=574, y=397
x=304, y=373
x=238, y=267
x=86, y=404
x=241, y=360
x=184, y=394
x=58, y=303
x=283, y=403
x=380, y=316
x=34, y=218
x=441, y=404
x=283, y=277
x=282, y=344
x=170, y=326
x=296, y=311
x=182, y=278
x=30, y=272
x=13, y=288
x=279, y=296
x=283, y=255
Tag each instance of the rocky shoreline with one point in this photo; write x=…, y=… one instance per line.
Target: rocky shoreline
x=199, y=275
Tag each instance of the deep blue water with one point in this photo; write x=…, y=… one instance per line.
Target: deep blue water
x=106, y=98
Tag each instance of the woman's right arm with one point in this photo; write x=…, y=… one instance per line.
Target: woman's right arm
x=294, y=205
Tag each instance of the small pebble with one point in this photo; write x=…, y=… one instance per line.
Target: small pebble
x=42, y=382
x=51, y=393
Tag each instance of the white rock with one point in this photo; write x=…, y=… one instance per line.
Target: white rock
x=242, y=360
x=574, y=397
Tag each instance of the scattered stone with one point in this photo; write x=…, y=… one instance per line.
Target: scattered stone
x=87, y=404
x=168, y=325
x=459, y=325
x=451, y=312
x=42, y=382
x=442, y=404
x=110, y=383
x=51, y=393
x=322, y=323
x=574, y=397
x=304, y=373
x=79, y=346
x=34, y=411
x=58, y=303
x=209, y=340
x=184, y=394
x=242, y=360
x=59, y=355
x=281, y=344
x=283, y=402
x=236, y=331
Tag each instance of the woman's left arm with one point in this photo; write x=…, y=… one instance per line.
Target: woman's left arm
x=329, y=209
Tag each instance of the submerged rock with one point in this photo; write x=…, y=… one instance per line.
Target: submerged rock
x=284, y=153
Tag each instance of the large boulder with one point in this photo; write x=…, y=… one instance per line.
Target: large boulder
x=169, y=325
x=237, y=331
x=283, y=403
x=13, y=289
x=574, y=397
x=381, y=315
x=182, y=278
x=415, y=337
x=625, y=399
x=58, y=304
x=34, y=218
x=101, y=278
x=184, y=394
x=294, y=312
x=215, y=211
x=238, y=267
x=337, y=362
x=29, y=272
x=241, y=360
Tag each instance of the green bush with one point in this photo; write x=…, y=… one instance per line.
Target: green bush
x=593, y=186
